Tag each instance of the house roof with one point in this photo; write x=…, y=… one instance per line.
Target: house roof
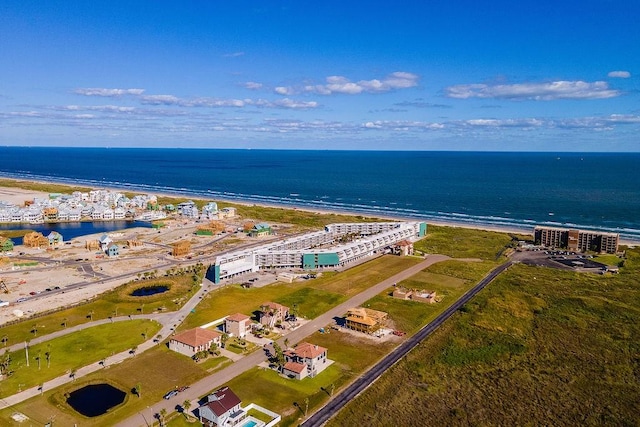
x=295, y=367
x=275, y=306
x=361, y=320
x=308, y=350
x=222, y=400
x=238, y=317
x=196, y=337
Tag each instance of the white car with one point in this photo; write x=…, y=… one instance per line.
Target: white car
x=4, y=303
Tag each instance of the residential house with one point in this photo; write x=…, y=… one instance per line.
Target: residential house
x=55, y=238
x=227, y=213
x=403, y=248
x=222, y=409
x=113, y=250
x=305, y=360
x=272, y=313
x=237, y=325
x=260, y=230
x=415, y=295
x=194, y=340
x=35, y=240
x=210, y=211
x=365, y=319
x=6, y=244
x=105, y=241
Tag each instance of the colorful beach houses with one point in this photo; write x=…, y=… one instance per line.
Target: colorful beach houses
x=222, y=409
x=237, y=325
x=305, y=360
x=194, y=340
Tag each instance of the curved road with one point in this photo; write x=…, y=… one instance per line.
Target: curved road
x=358, y=386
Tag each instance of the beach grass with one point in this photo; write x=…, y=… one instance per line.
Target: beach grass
x=537, y=346
x=460, y=242
x=73, y=351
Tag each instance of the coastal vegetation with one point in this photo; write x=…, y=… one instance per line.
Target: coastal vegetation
x=553, y=346
x=68, y=353
x=45, y=187
x=460, y=242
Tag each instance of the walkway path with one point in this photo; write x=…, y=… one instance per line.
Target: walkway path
x=217, y=379
x=168, y=321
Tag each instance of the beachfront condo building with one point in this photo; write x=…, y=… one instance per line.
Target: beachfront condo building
x=577, y=240
x=320, y=249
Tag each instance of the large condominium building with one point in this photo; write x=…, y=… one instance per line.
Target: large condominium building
x=318, y=249
x=577, y=240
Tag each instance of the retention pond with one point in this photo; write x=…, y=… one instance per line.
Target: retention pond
x=95, y=399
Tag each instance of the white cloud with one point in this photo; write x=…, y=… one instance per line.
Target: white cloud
x=342, y=85
x=535, y=91
x=619, y=74
x=253, y=85
x=95, y=91
x=233, y=55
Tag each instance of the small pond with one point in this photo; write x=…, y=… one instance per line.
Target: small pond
x=95, y=399
x=149, y=290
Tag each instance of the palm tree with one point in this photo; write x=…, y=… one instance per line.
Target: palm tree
x=133, y=350
x=90, y=315
x=34, y=329
x=163, y=413
x=47, y=355
x=26, y=351
x=138, y=389
x=64, y=322
x=73, y=374
x=38, y=357
x=185, y=406
x=5, y=338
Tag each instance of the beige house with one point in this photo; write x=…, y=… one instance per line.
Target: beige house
x=365, y=319
x=272, y=313
x=237, y=325
x=305, y=360
x=194, y=340
x=415, y=295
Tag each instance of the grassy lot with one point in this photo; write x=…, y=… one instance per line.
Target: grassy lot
x=117, y=302
x=537, y=347
x=608, y=259
x=73, y=351
x=157, y=371
x=464, y=243
x=311, y=297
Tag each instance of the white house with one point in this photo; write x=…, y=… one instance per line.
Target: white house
x=222, y=409
x=305, y=360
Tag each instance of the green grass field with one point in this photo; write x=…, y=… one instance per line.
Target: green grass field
x=536, y=347
x=464, y=243
x=73, y=351
x=109, y=304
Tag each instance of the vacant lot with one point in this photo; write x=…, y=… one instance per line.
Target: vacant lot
x=537, y=347
x=464, y=242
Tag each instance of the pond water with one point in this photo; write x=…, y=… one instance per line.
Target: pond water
x=95, y=399
x=150, y=290
x=71, y=230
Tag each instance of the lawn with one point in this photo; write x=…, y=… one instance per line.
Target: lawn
x=465, y=243
x=73, y=351
x=157, y=371
x=113, y=303
x=311, y=297
x=537, y=347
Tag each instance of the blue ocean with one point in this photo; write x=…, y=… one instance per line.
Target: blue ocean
x=598, y=191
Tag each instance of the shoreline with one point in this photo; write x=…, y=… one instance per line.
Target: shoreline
x=319, y=211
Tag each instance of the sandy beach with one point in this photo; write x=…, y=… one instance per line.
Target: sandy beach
x=18, y=196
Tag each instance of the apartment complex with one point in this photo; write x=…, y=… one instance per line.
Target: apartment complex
x=320, y=249
x=577, y=240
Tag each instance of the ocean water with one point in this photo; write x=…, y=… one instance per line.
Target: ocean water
x=586, y=190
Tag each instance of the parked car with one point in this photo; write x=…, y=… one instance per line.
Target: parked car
x=170, y=394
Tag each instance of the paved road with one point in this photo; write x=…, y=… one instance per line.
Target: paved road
x=358, y=386
x=225, y=375
x=167, y=320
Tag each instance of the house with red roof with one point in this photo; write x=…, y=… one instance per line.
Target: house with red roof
x=237, y=325
x=305, y=360
x=194, y=340
x=221, y=409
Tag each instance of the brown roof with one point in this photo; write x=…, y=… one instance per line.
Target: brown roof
x=196, y=337
x=222, y=400
x=308, y=350
x=238, y=317
x=295, y=367
x=276, y=306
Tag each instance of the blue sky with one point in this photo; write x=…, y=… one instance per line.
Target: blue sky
x=418, y=75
